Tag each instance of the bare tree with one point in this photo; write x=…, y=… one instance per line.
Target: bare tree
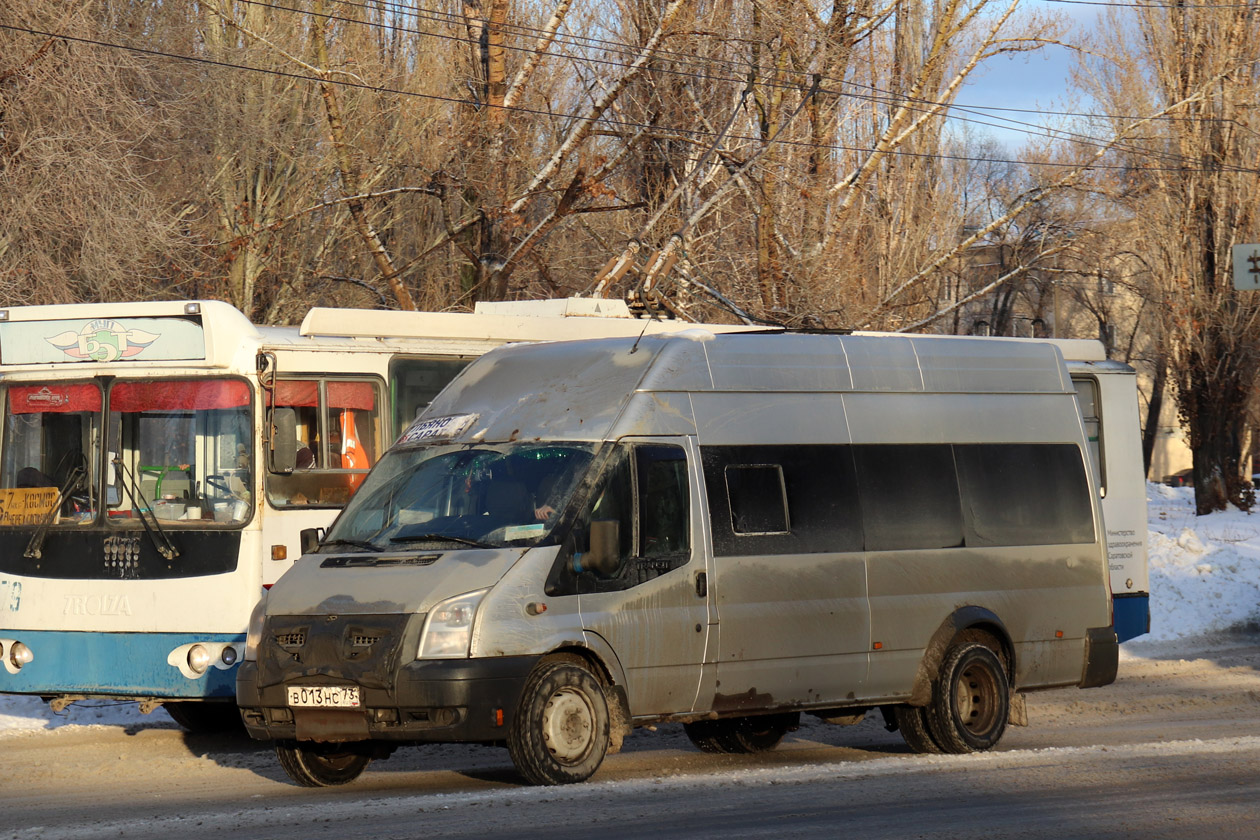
x=1202, y=59
x=81, y=131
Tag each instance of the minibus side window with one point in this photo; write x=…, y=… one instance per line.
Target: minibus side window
x=909, y=496
x=643, y=495
x=664, y=504
x=758, y=499
x=1024, y=494
x=782, y=499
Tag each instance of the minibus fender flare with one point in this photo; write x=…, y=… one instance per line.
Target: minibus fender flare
x=598, y=649
x=962, y=619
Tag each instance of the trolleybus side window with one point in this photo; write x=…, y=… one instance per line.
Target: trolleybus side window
x=1087, y=399
x=338, y=439
x=414, y=383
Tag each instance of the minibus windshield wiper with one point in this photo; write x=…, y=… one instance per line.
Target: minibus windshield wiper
x=364, y=544
x=435, y=537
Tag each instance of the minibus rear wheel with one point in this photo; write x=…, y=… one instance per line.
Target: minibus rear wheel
x=912, y=723
x=560, y=732
x=741, y=735
x=971, y=700
x=311, y=765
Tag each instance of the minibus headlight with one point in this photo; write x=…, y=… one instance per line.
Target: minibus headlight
x=253, y=636
x=448, y=629
x=19, y=655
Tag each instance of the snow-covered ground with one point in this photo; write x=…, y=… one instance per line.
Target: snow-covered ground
x=1205, y=580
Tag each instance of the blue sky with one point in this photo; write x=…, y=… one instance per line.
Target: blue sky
x=1025, y=80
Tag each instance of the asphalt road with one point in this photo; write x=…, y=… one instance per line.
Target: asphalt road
x=1171, y=750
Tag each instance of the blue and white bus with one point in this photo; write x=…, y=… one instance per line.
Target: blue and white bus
x=158, y=461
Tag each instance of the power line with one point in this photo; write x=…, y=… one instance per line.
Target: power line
x=912, y=104
x=622, y=123
x=686, y=59
x=1179, y=6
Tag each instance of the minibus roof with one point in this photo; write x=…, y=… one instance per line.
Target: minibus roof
x=582, y=390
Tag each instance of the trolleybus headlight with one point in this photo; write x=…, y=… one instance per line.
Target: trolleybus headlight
x=228, y=656
x=448, y=630
x=199, y=658
x=253, y=636
x=20, y=654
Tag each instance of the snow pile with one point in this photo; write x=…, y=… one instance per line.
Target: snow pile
x=1205, y=579
x=1205, y=570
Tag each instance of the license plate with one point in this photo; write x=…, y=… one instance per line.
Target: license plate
x=324, y=696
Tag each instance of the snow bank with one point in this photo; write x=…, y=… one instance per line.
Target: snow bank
x=1205, y=579
x=1205, y=570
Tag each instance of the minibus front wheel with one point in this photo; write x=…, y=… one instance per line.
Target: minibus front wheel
x=560, y=732
x=321, y=765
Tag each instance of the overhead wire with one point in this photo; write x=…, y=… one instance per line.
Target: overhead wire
x=622, y=123
x=688, y=59
x=683, y=58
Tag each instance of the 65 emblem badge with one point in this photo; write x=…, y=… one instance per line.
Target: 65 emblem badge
x=103, y=340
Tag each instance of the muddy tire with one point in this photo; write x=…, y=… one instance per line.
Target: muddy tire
x=323, y=765
x=741, y=735
x=913, y=725
x=204, y=717
x=971, y=700
x=559, y=734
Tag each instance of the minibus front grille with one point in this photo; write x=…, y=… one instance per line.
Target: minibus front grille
x=292, y=640
x=360, y=648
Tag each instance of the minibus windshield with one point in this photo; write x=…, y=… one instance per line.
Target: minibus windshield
x=483, y=495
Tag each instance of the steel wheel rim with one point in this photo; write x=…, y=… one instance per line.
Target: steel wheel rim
x=568, y=725
x=975, y=699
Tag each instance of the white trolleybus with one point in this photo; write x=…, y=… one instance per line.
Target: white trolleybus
x=158, y=461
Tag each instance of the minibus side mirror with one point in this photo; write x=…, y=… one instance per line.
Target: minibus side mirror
x=310, y=538
x=604, y=555
x=282, y=454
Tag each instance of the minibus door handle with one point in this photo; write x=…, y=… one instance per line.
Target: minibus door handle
x=702, y=584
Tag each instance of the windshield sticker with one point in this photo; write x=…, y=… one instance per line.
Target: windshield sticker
x=523, y=532
x=437, y=428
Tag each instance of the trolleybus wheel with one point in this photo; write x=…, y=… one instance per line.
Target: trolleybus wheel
x=205, y=717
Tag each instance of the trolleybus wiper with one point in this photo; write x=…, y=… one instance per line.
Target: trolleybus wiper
x=161, y=541
x=35, y=548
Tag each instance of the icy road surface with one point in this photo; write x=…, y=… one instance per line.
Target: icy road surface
x=1172, y=750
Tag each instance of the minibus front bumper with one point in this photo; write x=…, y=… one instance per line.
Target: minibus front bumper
x=435, y=700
